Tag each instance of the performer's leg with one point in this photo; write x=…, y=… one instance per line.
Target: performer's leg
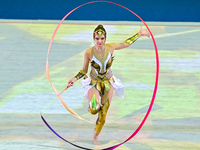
x=107, y=94
x=102, y=116
x=105, y=100
x=93, y=99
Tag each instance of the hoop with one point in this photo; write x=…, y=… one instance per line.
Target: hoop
x=74, y=113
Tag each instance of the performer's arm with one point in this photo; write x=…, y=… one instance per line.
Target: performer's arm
x=82, y=72
x=130, y=40
x=86, y=61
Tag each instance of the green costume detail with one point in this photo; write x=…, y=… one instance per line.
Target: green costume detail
x=94, y=102
x=132, y=39
x=95, y=107
x=101, y=83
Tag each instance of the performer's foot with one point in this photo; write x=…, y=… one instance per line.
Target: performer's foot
x=95, y=139
x=96, y=142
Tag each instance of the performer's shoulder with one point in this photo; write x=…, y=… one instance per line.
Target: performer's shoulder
x=88, y=51
x=110, y=45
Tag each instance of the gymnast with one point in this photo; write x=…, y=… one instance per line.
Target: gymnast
x=101, y=83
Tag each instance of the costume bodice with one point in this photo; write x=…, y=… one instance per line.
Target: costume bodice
x=102, y=68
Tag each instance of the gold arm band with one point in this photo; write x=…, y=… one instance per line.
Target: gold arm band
x=132, y=39
x=80, y=74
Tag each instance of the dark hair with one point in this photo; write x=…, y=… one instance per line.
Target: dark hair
x=99, y=27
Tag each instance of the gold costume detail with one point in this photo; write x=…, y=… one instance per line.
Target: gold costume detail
x=132, y=39
x=101, y=83
x=95, y=106
x=97, y=67
x=102, y=116
x=100, y=32
x=80, y=74
x=93, y=112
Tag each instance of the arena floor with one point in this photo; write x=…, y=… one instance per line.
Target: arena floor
x=174, y=122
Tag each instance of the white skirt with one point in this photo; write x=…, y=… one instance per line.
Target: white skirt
x=118, y=86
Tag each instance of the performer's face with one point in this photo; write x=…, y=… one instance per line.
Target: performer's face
x=100, y=40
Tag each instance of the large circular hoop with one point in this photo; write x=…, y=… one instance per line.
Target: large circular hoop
x=74, y=113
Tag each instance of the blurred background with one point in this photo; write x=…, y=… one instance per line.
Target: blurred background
x=26, y=28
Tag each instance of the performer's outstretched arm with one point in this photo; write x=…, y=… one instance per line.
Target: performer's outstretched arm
x=130, y=40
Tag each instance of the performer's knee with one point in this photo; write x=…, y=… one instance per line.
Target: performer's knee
x=94, y=107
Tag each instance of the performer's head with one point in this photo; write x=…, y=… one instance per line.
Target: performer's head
x=99, y=34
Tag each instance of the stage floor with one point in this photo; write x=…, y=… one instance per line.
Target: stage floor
x=174, y=122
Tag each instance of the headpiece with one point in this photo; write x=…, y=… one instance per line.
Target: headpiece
x=100, y=32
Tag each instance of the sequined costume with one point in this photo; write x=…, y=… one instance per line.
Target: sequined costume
x=100, y=81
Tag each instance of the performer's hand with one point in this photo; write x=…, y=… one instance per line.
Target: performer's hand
x=143, y=32
x=71, y=82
